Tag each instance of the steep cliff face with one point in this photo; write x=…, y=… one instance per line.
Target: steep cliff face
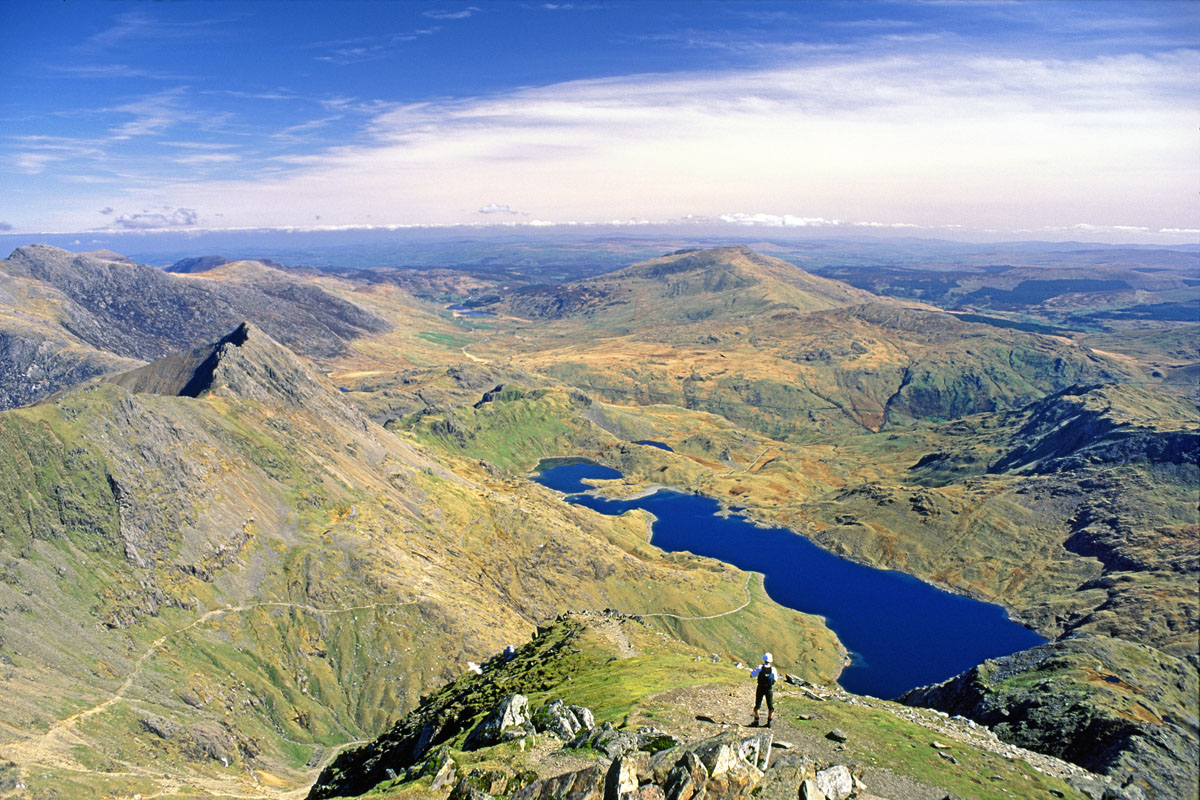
x=1094, y=425
x=1115, y=707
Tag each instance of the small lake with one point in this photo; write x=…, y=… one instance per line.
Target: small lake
x=467, y=311
x=652, y=443
x=901, y=631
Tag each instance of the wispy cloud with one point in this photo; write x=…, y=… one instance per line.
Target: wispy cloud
x=139, y=25
x=461, y=13
x=206, y=159
x=109, y=71
x=371, y=48
x=5, y=226
x=886, y=142
x=33, y=154
x=155, y=113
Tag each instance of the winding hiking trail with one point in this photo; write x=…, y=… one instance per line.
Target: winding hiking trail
x=476, y=358
x=746, y=587
x=52, y=747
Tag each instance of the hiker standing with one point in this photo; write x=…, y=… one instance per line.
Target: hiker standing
x=766, y=675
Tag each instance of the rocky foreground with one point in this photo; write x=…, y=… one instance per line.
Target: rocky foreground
x=597, y=706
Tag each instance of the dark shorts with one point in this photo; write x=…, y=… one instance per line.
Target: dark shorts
x=768, y=693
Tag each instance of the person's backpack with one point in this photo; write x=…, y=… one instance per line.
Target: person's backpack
x=766, y=677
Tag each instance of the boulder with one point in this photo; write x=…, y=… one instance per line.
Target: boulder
x=835, y=783
x=507, y=721
x=622, y=779
x=787, y=773
x=730, y=772
x=809, y=790
x=489, y=781
x=686, y=779
x=162, y=728
x=837, y=735
x=564, y=721
x=584, y=784
x=607, y=739
x=444, y=776
x=653, y=740
x=584, y=716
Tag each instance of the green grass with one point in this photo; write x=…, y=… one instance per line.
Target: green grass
x=446, y=339
x=884, y=740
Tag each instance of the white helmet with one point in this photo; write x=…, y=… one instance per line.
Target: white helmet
x=767, y=658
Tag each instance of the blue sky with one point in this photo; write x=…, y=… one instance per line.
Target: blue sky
x=1027, y=120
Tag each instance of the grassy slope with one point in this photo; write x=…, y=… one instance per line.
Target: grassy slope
x=355, y=571
x=660, y=681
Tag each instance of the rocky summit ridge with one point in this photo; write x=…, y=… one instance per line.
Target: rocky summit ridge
x=80, y=315
x=596, y=706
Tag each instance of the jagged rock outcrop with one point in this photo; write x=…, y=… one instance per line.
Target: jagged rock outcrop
x=1093, y=425
x=507, y=721
x=246, y=364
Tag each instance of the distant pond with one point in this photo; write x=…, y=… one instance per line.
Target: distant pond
x=901, y=631
x=467, y=311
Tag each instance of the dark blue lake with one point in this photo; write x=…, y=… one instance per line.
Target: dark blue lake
x=902, y=632
x=659, y=445
x=467, y=311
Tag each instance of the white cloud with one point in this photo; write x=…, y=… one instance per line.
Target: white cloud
x=987, y=143
x=165, y=217
x=497, y=208
x=776, y=221
x=886, y=225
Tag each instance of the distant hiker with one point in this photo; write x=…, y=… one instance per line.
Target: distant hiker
x=766, y=674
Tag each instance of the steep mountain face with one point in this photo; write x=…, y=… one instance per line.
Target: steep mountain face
x=117, y=309
x=216, y=564
x=38, y=354
x=1112, y=706
x=1097, y=425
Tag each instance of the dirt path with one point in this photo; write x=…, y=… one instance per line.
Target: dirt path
x=746, y=587
x=52, y=748
x=706, y=710
x=611, y=629
x=474, y=358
